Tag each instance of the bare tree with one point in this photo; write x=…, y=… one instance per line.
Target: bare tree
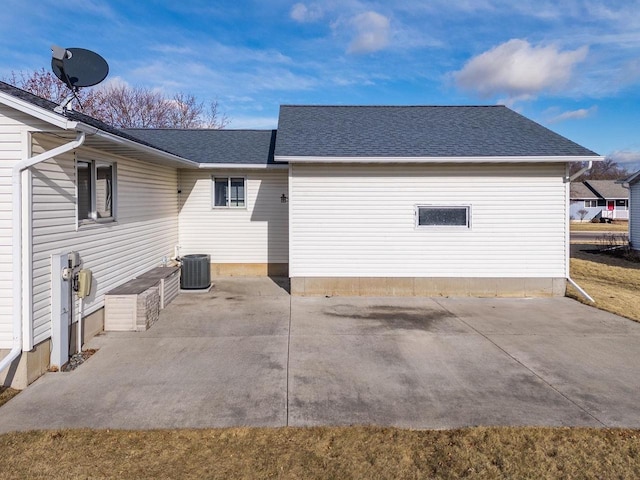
x=46, y=85
x=124, y=106
x=583, y=213
x=608, y=169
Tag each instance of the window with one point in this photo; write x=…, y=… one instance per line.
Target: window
x=228, y=192
x=95, y=191
x=590, y=203
x=602, y=203
x=622, y=204
x=437, y=216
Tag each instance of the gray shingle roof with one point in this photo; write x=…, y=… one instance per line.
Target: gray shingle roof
x=214, y=146
x=416, y=131
x=610, y=189
x=579, y=191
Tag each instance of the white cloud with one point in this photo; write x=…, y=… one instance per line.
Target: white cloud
x=519, y=70
x=625, y=157
x=302, y=13
x=372, y=32
x=574, y=114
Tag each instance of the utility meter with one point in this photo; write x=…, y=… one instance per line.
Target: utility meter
x=84, y=283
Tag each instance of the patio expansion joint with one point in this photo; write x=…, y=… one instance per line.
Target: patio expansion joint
x=288, y=360
x=542, y=379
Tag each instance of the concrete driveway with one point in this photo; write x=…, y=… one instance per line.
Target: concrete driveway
x=249, y=354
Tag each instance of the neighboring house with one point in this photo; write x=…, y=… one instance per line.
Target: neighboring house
x=601, y=199
x=347, y=200
x=633, y=183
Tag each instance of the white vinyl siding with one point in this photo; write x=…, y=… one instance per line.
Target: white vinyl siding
x=13, y=126
x=634, y=215
x=255, y=234
x=146, y=229
x=358, y=221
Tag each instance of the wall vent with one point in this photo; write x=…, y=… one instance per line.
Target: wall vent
x=196, y=272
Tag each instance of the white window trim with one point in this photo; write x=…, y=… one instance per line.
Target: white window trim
x=228, y=176
x=416, y=214
x=114, y=193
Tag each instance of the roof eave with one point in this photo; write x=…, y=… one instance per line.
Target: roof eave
x=64, y=123
x=496, y=159
x=166, y=156
x=241, y=166
x=36, y=111
x=633, y=178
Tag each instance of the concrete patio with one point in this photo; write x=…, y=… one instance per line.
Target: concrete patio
x=249, y=354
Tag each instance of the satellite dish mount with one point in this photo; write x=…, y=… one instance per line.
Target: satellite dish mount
x=76, y=68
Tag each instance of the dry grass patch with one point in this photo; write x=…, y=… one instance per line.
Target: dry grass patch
x=327, y=453
x=599, y=227
x=7, y=394
x=613, y=282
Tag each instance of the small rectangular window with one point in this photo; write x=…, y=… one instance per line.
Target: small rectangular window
x=95, y=190
x=442, y=216
x=602, y=203
x=229, y=192
x=622, y=204
x=590, y=203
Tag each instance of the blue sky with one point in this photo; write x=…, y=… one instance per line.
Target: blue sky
x=573, y=65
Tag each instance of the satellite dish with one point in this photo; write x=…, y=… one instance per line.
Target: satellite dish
x=77, y=67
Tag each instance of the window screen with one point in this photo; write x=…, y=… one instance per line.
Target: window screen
x=104, y=190
x=84, y=190
x=220, y=192
x=443, y=216
x=237, y=192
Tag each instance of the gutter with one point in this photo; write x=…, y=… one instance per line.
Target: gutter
x=81, y=127
x=569, y=279
x=580, y=290
x=18, y=168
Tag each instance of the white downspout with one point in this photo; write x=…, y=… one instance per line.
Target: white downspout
x=580, y=290
x=18, y=168
x=581, y=171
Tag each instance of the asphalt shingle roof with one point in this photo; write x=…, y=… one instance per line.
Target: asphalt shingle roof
x=214, y=146
x=594, y=189
x=416, y=131
x=579, y=191
x=608, y=188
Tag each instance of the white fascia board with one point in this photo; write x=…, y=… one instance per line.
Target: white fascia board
x=242, y=166
x=554, y=159
x=37, y=112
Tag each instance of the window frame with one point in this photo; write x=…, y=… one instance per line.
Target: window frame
x=591, y=203
x=228, y=206
x=416, y=214
x=93, y=179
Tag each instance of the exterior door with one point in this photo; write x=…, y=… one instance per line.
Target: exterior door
x=611, y=205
